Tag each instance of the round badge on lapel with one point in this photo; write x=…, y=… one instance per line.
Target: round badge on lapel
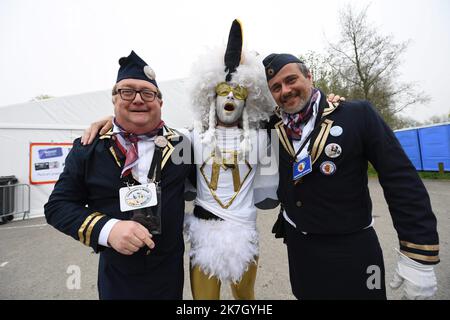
x=333, y=150
x=336, y=131
x=328, y=168
x=161, y=141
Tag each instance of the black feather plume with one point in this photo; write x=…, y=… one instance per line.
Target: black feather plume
x=234, y=49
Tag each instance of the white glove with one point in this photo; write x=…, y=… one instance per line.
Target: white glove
x=420, y=280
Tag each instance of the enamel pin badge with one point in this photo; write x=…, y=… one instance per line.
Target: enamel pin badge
x=333, y=150
x=328, y=168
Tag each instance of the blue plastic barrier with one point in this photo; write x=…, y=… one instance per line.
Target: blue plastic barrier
x=426, y=147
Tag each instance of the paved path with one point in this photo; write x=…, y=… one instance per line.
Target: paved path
x=35, y=258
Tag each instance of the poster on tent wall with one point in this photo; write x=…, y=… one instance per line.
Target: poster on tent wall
x=47, y=161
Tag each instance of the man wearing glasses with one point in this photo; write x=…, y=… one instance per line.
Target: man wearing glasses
x=110, y=195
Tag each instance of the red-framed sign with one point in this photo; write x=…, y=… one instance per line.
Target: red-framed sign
x=47, y=160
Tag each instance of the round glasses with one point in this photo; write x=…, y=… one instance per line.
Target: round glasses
x=223, y=89
x=130, y=94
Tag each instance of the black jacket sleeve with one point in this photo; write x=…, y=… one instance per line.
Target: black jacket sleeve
x=404, y=191
x=66, y=209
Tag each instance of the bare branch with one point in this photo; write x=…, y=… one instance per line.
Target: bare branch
x=365, y=64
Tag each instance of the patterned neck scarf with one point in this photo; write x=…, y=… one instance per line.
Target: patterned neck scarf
x=131, y=144
x=294, y=122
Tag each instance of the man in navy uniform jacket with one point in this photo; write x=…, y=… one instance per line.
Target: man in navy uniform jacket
x=135, y=261
x=326, y=217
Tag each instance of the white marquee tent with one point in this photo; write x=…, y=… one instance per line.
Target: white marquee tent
x=61, y=120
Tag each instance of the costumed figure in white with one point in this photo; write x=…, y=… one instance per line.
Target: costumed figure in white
x=230, y=99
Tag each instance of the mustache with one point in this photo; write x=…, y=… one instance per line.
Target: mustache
x=285, y=97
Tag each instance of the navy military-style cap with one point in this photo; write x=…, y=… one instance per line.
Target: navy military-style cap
x=275, y=61
x=133, y=67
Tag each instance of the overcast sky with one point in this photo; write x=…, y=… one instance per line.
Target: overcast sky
x=68, y=47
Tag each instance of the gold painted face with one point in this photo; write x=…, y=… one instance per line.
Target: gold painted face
x=223, y=89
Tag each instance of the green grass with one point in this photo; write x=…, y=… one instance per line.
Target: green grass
x=423, y=174
x=435, y=175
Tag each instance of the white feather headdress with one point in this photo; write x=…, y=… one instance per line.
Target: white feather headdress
x=211, y=69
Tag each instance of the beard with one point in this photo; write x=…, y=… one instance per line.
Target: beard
x=303, y=101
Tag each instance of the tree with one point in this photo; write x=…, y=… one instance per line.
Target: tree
x=324, y=77
x=366, y=64
x=402, y=122
x=438, y=119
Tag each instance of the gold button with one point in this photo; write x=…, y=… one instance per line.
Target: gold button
x=299, y=204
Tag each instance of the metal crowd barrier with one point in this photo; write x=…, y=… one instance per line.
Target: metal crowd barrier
x=14, y=199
